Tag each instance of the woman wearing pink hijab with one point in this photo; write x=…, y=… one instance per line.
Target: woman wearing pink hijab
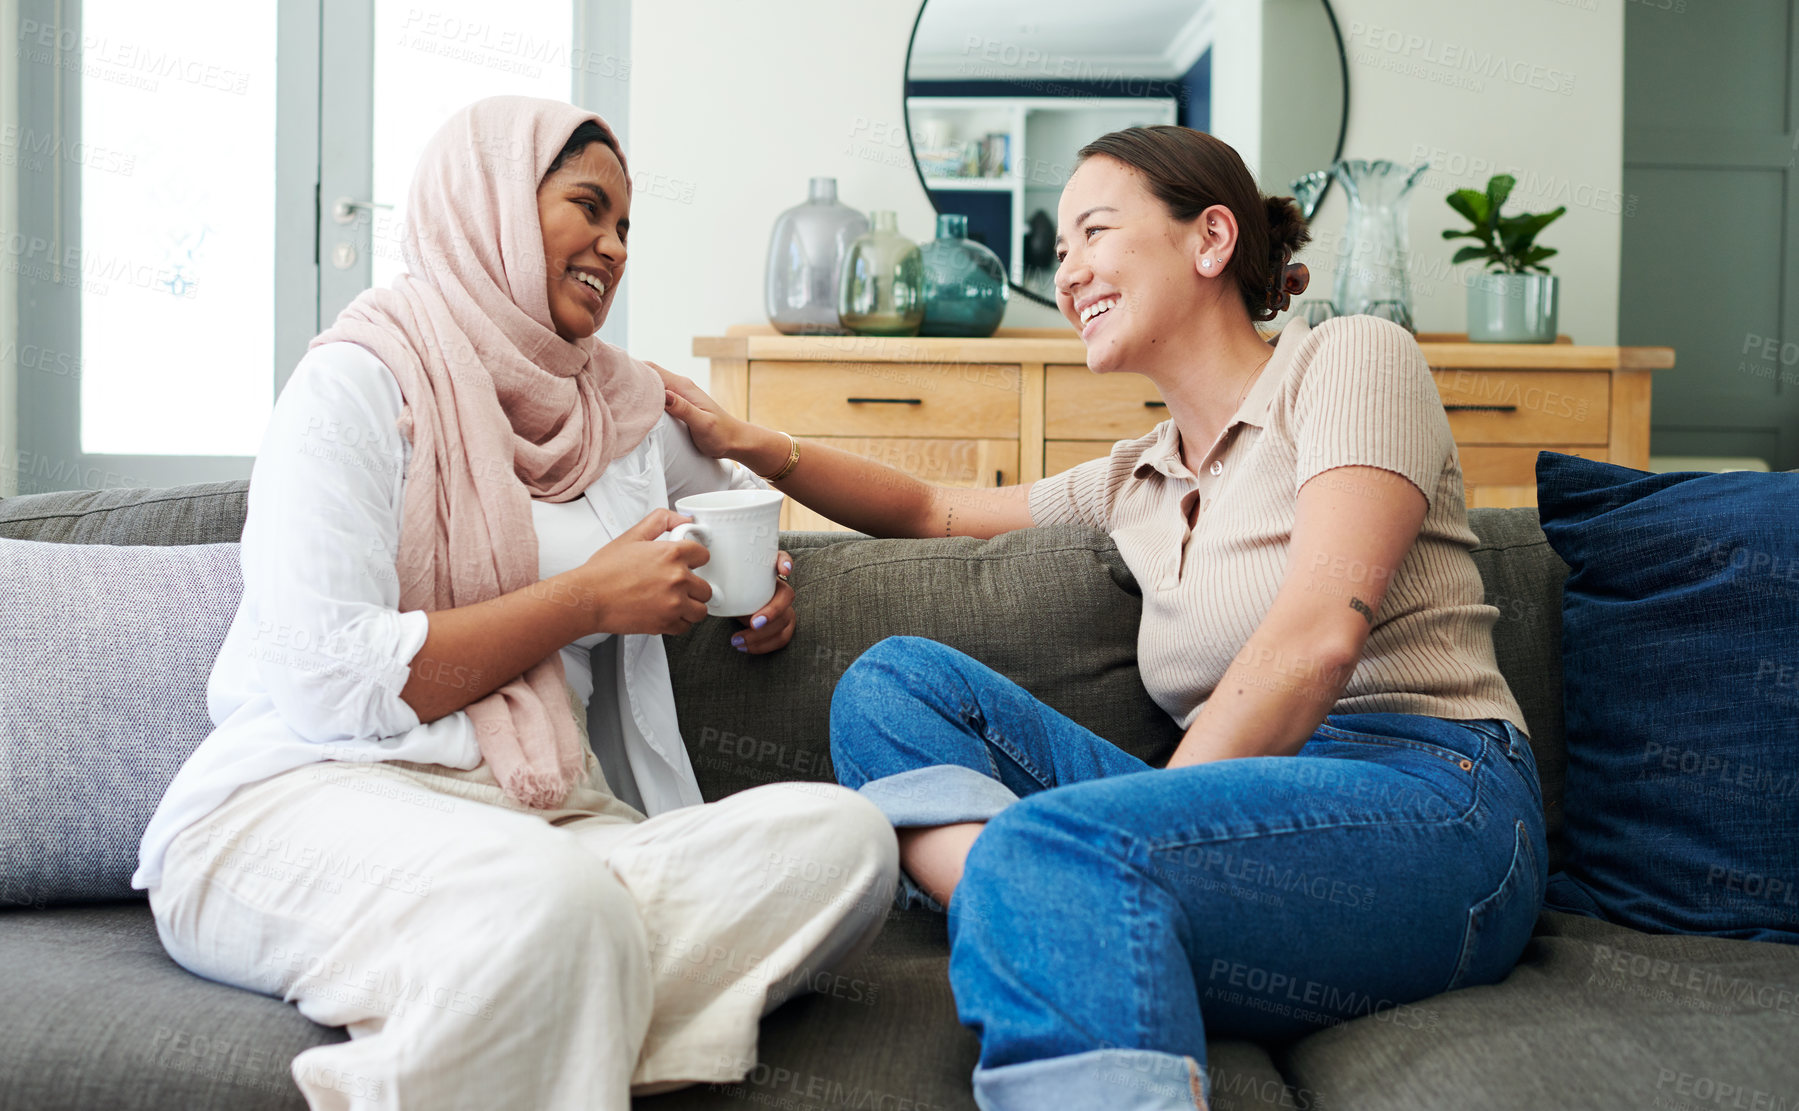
x=446, y=804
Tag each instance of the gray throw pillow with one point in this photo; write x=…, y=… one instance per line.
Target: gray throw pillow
x=104, y=658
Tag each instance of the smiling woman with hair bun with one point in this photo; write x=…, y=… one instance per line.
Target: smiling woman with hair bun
x=1352, y=819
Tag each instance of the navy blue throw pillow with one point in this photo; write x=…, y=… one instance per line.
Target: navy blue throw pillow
x=1680, y=686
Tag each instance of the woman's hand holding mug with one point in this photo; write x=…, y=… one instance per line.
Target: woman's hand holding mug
x=720, y=435
x=639, y=584
x=771, y=627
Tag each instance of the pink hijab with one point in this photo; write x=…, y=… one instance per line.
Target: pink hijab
x=499, y=408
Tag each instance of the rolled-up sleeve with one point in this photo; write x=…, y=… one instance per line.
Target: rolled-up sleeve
x=690, y=472
x=331, y=646
x=1087, y=493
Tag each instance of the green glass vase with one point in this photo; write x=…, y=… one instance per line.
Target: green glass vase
x=965, y=286
x=882, y=291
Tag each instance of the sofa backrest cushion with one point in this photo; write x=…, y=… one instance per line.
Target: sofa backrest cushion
x=1052, y=608
x=202, y=513
x=1523, y=580
x=103, y=670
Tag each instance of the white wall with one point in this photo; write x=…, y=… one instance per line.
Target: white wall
x=737, y=104
x=1554, y=118
x=741, y=103
x=1237, y=65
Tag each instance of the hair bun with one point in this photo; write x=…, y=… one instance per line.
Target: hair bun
x=1286, y=226
x=1287, y=233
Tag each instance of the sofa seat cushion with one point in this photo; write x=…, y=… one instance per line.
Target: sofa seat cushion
x=882, y=1033
x=1595, y=1015
x=94, y=1014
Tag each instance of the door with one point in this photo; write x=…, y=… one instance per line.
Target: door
x=216, y=181
x=165, y=232
x=1710, y=259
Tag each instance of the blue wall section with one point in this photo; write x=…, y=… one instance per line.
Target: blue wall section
x=989, y=219
x=1196, y=105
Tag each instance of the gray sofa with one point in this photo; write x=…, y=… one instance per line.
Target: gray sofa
x=93, y=1014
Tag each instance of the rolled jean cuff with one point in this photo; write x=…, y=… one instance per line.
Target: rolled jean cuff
x=939, y=795
x=1116, y=1079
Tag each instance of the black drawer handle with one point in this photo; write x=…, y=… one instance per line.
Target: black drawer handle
x=885, y=400
x=1155, y=405
x=1480, y=408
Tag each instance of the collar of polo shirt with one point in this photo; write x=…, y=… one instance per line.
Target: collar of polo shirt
x=1165, y=454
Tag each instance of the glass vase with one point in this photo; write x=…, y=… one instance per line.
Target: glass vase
x=805, y=261
x=965, y=287
x=1371, y=256
x=882, y=289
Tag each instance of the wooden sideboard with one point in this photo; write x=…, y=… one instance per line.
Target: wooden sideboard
x=1022, y=404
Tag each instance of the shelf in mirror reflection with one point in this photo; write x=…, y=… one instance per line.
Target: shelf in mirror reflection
x=1045, y=88
x=993, y=184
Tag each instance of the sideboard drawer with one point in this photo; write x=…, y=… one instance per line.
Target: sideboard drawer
x=965, y=400
x=1059, y=455
x=1081, y=405
x=1486, y=465
x=1527, y=406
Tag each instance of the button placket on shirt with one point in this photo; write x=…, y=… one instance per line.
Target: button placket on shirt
x=1205, y=490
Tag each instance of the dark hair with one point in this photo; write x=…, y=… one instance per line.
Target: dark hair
x=1189, y=171
x=587, y=132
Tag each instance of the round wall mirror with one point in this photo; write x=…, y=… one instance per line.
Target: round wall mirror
x=1001, y=94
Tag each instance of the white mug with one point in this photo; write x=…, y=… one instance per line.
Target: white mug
x=742, y=530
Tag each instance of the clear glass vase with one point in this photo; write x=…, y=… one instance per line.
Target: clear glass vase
x=1372, y=255
x=882, y=291
x=805, y=262
x=965, y=287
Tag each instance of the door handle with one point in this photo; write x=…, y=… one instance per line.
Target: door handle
x=343, y=210
x=1480, y=408
x=885, y=400
x=1155, y=405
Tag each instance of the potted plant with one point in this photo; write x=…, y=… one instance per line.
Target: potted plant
x=1514, y=299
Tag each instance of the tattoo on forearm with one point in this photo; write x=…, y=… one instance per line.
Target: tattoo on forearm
x=1361, y=607
x=949, y=522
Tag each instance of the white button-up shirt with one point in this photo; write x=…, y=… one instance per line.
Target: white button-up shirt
x=318, y=652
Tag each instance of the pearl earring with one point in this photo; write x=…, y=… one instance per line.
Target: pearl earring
x=1205, y=264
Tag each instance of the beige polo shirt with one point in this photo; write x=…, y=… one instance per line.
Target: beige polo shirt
x=1353, y=391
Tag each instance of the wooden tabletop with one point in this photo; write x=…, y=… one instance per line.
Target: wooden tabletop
x=1061, y=345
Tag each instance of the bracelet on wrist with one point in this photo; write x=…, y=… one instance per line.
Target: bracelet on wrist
x=793, y=460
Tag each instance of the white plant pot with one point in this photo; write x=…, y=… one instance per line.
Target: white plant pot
x=1513, y=308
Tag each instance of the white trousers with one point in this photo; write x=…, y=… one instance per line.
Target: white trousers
x=484, y=955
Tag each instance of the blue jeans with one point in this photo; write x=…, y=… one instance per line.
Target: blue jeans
x=1112, y=914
